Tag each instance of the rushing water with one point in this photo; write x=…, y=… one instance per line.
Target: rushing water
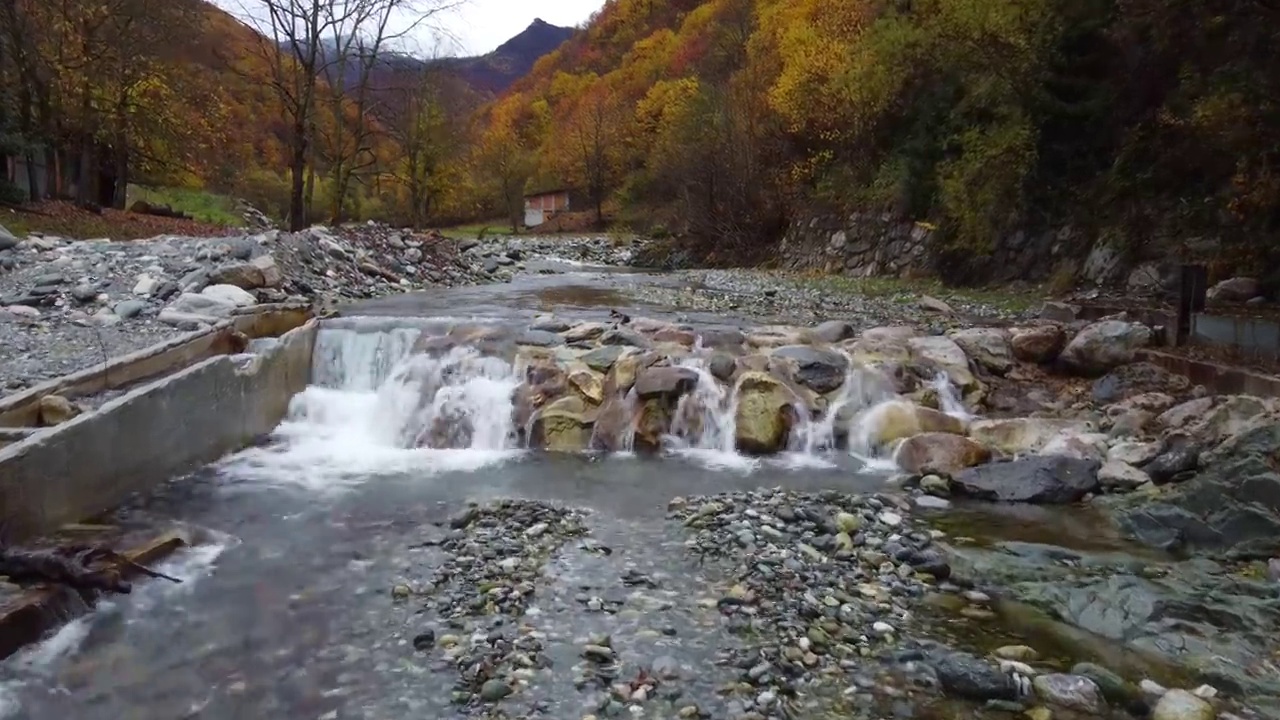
x=285, y=610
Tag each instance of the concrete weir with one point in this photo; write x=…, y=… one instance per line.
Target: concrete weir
x=183, y=403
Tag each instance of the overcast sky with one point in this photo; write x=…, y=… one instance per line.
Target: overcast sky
x=477, y=26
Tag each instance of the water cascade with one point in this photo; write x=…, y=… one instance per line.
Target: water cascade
x=947, y=400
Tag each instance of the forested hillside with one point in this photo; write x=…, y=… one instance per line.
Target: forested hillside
x=1146, y=121
x=178, y=93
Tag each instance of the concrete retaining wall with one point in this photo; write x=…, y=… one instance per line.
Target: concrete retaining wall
x=89, y=465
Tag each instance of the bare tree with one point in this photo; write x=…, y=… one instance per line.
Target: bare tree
x=594, y=135
x=293, y=35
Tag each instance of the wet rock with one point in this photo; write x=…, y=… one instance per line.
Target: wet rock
x=833, y=331
x=819, y=370
x=601, y=359
x=664, y=382
x=944, y=453
x=424, y=640
x=623, y=336
x=539, y=338
x=1236, y=289
x=720, y=338
x=494, y=690
x=944, y=355
x=584, y=332
x=1037, y=344
x=563, y=426
x=764, y=416
x=988, y=347
x=55, y=410
x=1181, y=705
x=1023, y=435
x=1104, y=345
x=589, y=385
x=1069, y=691
x=898, y=419
x=1115, y=689
x=722, y=366
x=1041, y=479
x=966, y=676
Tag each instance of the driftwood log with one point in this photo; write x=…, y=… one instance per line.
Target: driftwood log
x=83, y=568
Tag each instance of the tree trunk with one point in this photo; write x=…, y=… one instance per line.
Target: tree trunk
x=121, y=195
x=33, y=178
x=297, y=170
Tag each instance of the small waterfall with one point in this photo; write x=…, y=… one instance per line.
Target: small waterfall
x=375, y=408
x=706, y=419
x=347, y=359
x=459, y=400
x=862, y=388
x=947, y=400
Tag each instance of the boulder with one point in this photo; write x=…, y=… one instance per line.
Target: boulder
x=1228, y=416
x=833, y=331
x=1133, y=453
x=230, y=294
x=562, y=426
x=665, y=382
x=601, y=359
x=1038, y=344
x=1178, y=704
x=1177, y=455
x=584, y=332
x=1070, y=691
x=55, y=410
x=1236, y=289
x=722, y=338
x=623, y=336
x=1151, y=402
x=1231, y=506
x=764, y=415
x=988, y=347
x=1136, y=379
x=589, y=384
x=1145, y=279
x=271, y=275
x=614, y=429
x=202, y=305
x=894, y=420
x=7, y=239
x=539, y=338
x=244, y=275
x=1059, y=312
x=938, y=452
x=676, y=336
x=944, y=355
x=1182, y=415
x=1042, y=479
x=879, y=352
x=1104, y=345
x=1022, y=435
x=1076, y=444
x=722, y=366
x=1121, y=476
x=933, y=304
x=819, y=370
x=622, y=374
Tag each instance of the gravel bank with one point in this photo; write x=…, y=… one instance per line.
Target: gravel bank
x=65, y=305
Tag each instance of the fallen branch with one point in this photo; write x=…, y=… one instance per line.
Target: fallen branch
x=80, y=567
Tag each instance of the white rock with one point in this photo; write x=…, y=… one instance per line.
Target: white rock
x=1133, y=453
x=184, y=321
x=1114, y=473
x=145, y=285
x=1182, y=705
x=208, y=306
x=1105, y=345
x=23, y=311
x=271, y=275
x=230, y=294
x=891, y=518
x=882, y=628
x=1151, y=688
x=1208, y=692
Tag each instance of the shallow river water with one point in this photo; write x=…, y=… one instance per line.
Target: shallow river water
x=289, y=607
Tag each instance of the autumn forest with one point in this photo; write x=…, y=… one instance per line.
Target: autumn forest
x=717, y=121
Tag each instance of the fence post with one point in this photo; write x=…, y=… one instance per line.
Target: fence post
x=1191, y=299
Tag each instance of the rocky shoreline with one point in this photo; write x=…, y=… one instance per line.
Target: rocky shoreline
x=69, y=304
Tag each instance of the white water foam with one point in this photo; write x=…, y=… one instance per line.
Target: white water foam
x=947, y=399
x=377, y=410
x=705, y=426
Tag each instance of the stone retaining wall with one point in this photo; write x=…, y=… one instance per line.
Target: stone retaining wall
x=870, y=244
x=90, y=464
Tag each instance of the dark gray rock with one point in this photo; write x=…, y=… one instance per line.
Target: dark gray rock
x=1178, y=455
x=966, y=676
x=722, y=338
x=819, y=370
x=722, y=366
x=1231, y=505
x=625, y=337
x=49, y=279
x=668, y=382
x=84, y=293
x=7, y=239
x=127, y=309
x=601, y=359
x=1047, y=479
x=1135, y=379
x=494, y=690
x=490, y=265
x=194, y=281
x=552, y=324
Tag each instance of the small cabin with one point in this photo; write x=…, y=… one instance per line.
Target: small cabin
x=542, y=206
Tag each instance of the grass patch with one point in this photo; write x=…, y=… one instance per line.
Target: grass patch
x=66, y=220
x=474, y=230
x=1010, y=299
x=201, y=205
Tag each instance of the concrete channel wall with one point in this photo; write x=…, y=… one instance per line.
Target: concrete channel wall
x=90, y=464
